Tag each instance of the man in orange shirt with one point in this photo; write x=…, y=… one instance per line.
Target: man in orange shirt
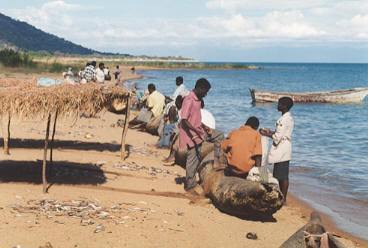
x=243, y=149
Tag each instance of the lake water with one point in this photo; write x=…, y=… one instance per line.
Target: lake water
x=329, y=168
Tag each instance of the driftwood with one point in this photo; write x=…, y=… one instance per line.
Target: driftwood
x=309, y=236
x=232, y=195
x=153, y=125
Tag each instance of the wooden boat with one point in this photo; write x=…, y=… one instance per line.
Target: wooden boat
x=354, y=95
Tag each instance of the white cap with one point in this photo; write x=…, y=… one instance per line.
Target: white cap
x=208, y=119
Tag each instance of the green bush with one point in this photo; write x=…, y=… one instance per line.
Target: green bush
x=57, y=67
x=11, y=58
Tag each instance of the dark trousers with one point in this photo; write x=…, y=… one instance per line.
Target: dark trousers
x=192, y=165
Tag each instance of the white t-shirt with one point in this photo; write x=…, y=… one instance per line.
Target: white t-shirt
x=281, y=147
x=100, y=76
x=180, y=90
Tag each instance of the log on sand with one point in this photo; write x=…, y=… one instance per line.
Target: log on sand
x=153, y=125
x=236, y=196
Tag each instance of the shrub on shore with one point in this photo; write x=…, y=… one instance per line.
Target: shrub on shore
x=11, y=58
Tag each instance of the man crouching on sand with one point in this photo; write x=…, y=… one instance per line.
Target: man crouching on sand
x=191, y=133
x=243, y=149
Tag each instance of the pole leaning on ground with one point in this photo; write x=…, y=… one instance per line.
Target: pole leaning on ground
x=44, y=179
x=53, y=135
x=6, y=133
x=125, y=128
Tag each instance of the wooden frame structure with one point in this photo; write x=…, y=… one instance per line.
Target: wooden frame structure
x=53, y=101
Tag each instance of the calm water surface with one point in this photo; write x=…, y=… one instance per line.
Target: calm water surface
x=330, y=141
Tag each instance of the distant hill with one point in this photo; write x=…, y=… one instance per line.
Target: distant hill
x=21, y=35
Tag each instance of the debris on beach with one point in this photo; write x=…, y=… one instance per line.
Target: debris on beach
x=90, y=213
x=88, y=136
x=100, y=163
x=153, y=171
x=99, y=228
x=144, y=151
x=47, y=245
x=120, y=123
x=252, y=235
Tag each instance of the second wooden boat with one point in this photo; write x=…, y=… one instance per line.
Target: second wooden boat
x=354, y=95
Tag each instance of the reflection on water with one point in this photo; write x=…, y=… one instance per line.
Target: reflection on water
x=330, y=141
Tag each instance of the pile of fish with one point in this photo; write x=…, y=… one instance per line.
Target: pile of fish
x=142, y=150
x=89, y=212
x=153, y=171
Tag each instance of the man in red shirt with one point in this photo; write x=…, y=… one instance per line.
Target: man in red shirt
x=191, y=133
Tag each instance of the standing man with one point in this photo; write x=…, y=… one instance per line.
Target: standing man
x=180, y=88
x=280, y=152
x=117, y=73
x=100, y=75
x=191, y=133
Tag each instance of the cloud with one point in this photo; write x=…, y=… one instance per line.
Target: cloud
x=266, y=5
x=53, y=13
x=235, y=23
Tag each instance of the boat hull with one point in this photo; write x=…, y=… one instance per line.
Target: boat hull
x=354, y=95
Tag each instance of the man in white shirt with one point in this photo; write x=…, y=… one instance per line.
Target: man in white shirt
x=100, y=75
x=180, y=88
x=280, y=152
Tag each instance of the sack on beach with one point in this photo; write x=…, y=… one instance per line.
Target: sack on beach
x=144, y=115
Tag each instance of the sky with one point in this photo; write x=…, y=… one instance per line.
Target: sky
x=208, y=30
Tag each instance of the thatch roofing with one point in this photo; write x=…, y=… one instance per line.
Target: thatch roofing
x=27, y=100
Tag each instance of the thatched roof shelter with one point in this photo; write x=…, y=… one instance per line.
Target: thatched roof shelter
x=25, y=99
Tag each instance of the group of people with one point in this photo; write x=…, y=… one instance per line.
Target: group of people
x=91, y=73
x=184, y=125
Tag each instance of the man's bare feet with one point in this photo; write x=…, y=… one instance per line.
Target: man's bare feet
x=169, y=161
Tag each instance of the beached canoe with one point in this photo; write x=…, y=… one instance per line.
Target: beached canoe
x=235, y=196
x=312, y=235
x=354, y=95
x=239, y=197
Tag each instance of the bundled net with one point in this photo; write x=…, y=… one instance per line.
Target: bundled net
x=27, y=100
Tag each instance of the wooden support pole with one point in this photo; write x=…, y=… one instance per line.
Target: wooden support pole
x=53, y=135
x=6, y=134
x=44, y=179
x=125, y=129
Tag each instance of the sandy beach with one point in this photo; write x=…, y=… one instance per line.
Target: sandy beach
x=97, y=200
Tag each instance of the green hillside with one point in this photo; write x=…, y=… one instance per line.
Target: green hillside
x=19, y=34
